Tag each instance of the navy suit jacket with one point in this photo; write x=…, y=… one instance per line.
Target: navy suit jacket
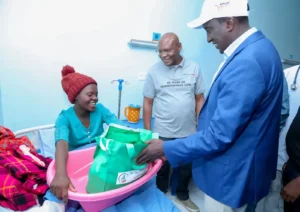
x=234, y=152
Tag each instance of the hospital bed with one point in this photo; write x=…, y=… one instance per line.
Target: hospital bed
x=147, y=197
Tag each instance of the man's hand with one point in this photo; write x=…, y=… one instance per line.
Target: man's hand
x=291, y=191
x=152, y=152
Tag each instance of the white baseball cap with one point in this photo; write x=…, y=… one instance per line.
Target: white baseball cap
x=219, y=9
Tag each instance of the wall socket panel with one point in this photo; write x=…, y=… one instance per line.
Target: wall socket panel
x=142, y=76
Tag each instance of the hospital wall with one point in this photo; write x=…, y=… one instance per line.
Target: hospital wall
x=38, y=37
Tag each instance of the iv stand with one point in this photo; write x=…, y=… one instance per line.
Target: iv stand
x=120, y=87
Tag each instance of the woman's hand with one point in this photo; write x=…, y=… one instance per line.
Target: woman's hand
x=60, y=186
x=284, y=166
x=61, y=183
x=291, y=191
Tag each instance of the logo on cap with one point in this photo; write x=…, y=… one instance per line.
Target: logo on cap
x=222, y=5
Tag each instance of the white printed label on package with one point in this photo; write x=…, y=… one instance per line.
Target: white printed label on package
x=128, y=177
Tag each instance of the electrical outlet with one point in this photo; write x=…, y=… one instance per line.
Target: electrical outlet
x=142, y=76
x=156, y=36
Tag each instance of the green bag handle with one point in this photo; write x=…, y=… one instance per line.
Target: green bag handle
x=131, y=153
x=130, y=150
x=104, y=148
x=144, y=136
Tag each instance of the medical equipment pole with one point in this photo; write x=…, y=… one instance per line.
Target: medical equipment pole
x=294, y=85
x=120, y=87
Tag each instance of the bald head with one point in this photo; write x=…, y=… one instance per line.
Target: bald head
x=169, y=37
x=169, y=49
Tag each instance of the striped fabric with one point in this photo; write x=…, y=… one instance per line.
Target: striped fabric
x=7, y=138
x=21, y=177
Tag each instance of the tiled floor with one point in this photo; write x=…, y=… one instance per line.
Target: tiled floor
x=196, y=196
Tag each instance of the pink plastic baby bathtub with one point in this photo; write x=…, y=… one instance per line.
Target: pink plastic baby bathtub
x=78, y=166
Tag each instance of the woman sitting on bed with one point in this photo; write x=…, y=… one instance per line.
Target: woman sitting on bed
x=78, y=125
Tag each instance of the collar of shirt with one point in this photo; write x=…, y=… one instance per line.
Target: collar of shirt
x=232, y=47
x=181, y=64
x=235, y=44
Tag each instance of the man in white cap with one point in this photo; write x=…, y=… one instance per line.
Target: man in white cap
x=234, y=151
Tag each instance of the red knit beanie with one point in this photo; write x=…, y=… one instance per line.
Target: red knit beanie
x=73, y=82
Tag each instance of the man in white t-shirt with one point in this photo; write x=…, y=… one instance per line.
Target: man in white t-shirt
x=174, y=89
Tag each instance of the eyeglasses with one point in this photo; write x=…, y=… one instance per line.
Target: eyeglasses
x=166, y=51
